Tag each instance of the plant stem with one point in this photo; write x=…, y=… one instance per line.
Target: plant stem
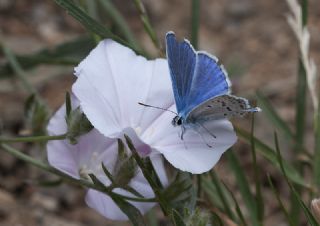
x=119, y=21
x=18, y=70
x=85, y=183
x=300, y=119
x=146, y=23
x=32, y=139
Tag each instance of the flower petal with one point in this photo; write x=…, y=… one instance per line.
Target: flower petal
x=106, y=206
x=112, y=80
x=191, y=154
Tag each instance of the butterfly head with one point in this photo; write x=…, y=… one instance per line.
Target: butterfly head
x=177, y=121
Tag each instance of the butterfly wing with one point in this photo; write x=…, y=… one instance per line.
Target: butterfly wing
x=182, y=61
x=224, y=106
x=209, y=80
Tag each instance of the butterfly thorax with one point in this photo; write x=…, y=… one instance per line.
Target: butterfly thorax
x=177, y=121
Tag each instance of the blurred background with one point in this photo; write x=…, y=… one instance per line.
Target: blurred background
x=250, y=37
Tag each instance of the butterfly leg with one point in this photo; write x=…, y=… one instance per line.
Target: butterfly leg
x=183, y=130
x=206, y=129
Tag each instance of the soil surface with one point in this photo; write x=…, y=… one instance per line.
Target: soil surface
x=250, y=37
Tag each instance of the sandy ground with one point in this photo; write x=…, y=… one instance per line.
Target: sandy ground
x=250, y=37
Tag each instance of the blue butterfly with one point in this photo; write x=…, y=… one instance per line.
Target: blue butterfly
x=201, y=87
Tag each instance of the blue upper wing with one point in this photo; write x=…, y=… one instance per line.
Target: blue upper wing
x=209, y=80
x=196, y=76
x=182, y=61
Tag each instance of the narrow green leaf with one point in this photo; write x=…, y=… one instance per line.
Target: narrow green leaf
x=107, y=173
x=131, y=211
x=50, y=183
x=98, y=183
x=273, y=116
x=68, y=104
x=146, y=23
x=222, y=195
x=259, y=199
x=212, y=193
x=311, y=220
x=152, y=218
x=243, y=184
x=119, y=21
x=90, y=23
x=92, y=9
x=216, y=220
x=148, y=175
x=271, y=155
x=178, y=220
x=238, y=209
x=67, y=53
x=277, y=195
x=301, y=103
x=195, y=18
x=21, y=75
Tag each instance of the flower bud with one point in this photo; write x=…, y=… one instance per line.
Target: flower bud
x=125, y=168
x=78, y=124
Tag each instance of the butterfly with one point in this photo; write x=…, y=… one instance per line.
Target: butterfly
x=201, y=87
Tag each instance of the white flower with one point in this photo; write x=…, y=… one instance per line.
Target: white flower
x=113, y=79
x=86, y=157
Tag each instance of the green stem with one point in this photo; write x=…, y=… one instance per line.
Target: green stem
x=300, y=120
x=32, y=139
x=18, y=70
x=166, y=209
x=119, y=21
x=84, y=183
x=146, y=23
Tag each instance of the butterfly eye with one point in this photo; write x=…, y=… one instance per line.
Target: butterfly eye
x=176, y=121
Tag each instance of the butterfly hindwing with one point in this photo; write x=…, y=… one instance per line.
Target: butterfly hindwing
x=219, y=107
x=182, y=60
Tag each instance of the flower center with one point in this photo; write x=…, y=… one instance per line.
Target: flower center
x=93, y=166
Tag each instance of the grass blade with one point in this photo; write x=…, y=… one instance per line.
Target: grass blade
x=273, y=116
x=311, y=219
x=238, y=209
x=68, y=53
x=21, y=75
x=276, y=194
x=119, y=21
x=259, y=199
x=152, y=218
x=222, y=195
x=90, y=23
x=146, y=23
x=267, y=152
x=131, y=211
x=243, y=184
x=211, y=192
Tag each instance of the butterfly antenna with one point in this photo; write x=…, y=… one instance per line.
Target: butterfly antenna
x=147, y=105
